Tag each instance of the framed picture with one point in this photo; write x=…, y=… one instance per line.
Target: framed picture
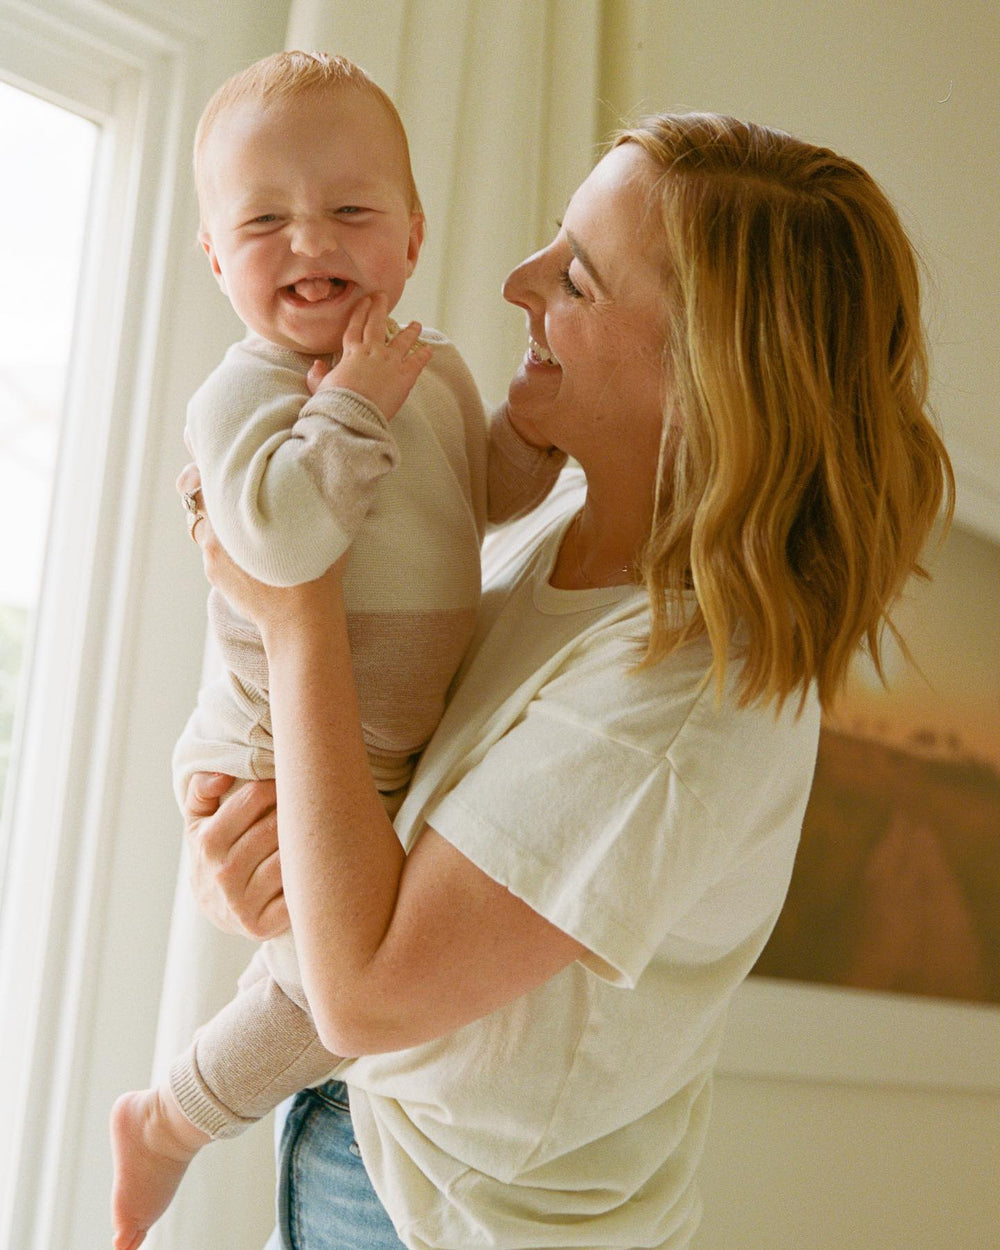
x=885, y=962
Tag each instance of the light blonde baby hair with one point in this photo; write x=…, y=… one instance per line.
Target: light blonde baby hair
x=800, y=473
x=290, y=75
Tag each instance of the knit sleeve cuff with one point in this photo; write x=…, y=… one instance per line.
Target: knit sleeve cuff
x=198, y=1103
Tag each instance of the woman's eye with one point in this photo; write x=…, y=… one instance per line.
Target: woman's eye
x=265, y=219
x=349, y=210
x=568, y=285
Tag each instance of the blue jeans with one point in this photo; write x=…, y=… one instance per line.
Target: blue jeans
x=325, y=1199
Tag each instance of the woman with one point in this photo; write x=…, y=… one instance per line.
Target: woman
x=531, y=979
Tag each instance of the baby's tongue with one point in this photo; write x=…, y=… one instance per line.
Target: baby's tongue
x=314, y=289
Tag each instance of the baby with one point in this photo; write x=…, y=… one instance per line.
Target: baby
x=312, y=224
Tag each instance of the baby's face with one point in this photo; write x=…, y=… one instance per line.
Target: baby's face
x=306, y=208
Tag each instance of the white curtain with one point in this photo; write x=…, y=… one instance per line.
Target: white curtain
x=501, y=101
x=226, y=1199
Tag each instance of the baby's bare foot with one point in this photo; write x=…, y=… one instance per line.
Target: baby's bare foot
x=152, y=1142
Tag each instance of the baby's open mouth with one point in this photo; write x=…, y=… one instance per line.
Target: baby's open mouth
x=315, y=290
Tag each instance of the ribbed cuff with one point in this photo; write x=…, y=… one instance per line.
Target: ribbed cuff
x=198, y=1103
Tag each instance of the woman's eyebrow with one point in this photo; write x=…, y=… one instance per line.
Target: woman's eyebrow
x=580, y=252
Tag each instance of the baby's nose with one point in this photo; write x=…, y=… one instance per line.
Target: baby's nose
x=314, y=236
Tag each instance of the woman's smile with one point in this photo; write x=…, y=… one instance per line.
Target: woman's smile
x=539, y=355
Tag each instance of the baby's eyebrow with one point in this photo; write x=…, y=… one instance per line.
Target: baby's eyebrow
x=580, y=252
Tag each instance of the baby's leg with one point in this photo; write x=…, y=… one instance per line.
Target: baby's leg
x=152, y=1142
x=258, y=1050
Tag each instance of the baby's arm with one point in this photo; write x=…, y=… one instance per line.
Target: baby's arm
x=521, y=472
x=287, y=478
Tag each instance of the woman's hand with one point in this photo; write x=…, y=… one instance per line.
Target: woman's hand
x=270, y=608
x=233, y=846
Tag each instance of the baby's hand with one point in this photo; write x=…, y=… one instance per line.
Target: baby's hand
x=384, y=373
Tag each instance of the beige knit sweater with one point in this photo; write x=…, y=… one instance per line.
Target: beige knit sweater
x=290, y=482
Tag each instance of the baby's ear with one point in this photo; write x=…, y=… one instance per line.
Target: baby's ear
x=205, y=239
x=417, y=224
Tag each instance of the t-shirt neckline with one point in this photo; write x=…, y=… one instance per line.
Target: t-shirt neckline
x=557, y=601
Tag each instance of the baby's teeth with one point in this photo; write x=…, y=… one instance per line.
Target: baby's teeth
x=314, y=289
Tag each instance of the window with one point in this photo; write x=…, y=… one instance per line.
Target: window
x=83, y=407
x=112, y=624
x=47, y=153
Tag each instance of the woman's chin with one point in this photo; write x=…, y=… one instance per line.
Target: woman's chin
x=533, y=392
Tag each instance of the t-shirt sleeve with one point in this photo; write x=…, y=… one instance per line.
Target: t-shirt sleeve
x=287, y=478
x=599, y=836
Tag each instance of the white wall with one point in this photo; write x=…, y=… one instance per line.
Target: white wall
x=847, y=1167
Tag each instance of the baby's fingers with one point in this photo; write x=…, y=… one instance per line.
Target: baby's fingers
x=357, y=323
x=317, y=372
x=377, y=319
x=406, y=340
x=418, y=358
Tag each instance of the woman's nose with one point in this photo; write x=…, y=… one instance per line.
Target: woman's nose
x=519, y=286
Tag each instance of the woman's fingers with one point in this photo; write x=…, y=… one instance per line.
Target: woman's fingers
x=188, y=480
x=265, y=913
x=204, y=792
x=250, y=880
x=235, y=867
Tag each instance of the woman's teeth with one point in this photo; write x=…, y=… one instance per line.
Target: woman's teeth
x=539, y=354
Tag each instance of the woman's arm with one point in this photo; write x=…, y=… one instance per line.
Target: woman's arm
x=394, y=950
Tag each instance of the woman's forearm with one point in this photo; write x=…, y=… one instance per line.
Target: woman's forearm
x=340, y=857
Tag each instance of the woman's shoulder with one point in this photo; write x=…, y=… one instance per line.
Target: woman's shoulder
x=672, y=710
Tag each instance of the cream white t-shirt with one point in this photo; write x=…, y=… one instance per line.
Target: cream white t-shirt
x=655, y=826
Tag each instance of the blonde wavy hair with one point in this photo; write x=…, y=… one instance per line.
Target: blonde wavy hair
x=800, y=472
x=287, y=76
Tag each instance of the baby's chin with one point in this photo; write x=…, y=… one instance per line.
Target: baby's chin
x=317, y=343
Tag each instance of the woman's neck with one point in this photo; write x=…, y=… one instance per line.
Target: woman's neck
x=602, y=544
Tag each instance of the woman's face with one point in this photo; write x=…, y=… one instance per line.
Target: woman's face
x=591, y=381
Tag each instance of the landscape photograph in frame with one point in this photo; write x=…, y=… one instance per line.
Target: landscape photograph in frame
x=896, y=886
